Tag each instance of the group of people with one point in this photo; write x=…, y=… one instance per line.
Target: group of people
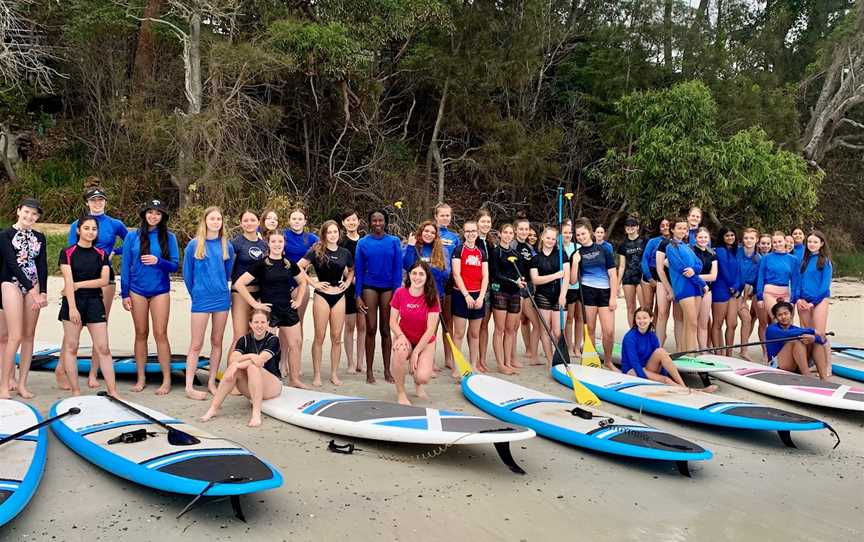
x=375, y=284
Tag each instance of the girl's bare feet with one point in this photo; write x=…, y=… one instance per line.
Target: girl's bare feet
x=210, y=414
x=139, y=386
x=298, y=384
x=505, y=370
x=92, y=383
x=421, y=392
x=24, y=393
x=195, y=395
x=164, y=389
x=254, y=421
x=402, y=399
x=335, y=380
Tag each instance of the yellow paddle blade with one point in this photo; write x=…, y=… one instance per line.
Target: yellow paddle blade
x=589, y=353
x=584, y=396
x=461, y=363
x=219, y=375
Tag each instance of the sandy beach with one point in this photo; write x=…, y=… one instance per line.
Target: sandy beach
x=754, y=488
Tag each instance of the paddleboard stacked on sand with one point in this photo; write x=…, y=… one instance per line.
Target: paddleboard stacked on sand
x=685, y=364
x=22, y=461
x=562, y=420
x=686, y=404
x=229, y=469
x=392, y=422
x=848, y=363
x=788, y=385
x=124, y=363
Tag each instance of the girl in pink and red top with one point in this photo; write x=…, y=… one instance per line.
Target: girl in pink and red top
x=413, y=319
x=471, y=276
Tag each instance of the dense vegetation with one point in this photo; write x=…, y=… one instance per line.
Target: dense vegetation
x=753, y=110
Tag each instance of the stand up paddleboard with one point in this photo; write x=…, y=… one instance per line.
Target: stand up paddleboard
x=787, y=385
x=848, y=364
x=124, y=364
x=687, y=404
x=685, y=364
x=579, y=425
x=22, y=460
x=392, y=422
x=109, y=435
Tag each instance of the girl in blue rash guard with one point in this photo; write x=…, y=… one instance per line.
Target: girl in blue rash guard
x=694, y=220
x=642, y=355
x=594, y=267
x=428, y=245
x=650, y=278
x=682, y=279
x=378, y=273
x=111, y=232
x=297, y=244
x=748, y=269
x=249, y=249
x=150, y=255
x=778, y=274
x=708, y=259
x=443, y=215
x=813, y=288
x=207, y=265
x=726, y=289
x=798, y=239
x=795, y=354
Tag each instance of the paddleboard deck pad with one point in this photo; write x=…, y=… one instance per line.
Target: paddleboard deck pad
x=788, y=385
x=687, y=404
x=685, y=364
x=381, y=420
x=578, y=425
x=214, y=467
x=124, y=364
x=22, y=461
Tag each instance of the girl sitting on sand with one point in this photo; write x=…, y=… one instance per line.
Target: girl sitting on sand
x=253, y=367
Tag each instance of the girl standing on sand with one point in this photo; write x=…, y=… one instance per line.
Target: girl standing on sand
x=207, y=265
x=249, y=248
x=353, y=321
x=150, y=255
x=506, y=284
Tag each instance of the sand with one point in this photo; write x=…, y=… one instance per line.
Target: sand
x=753, y=489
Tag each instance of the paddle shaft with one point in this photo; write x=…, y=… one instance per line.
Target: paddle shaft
x=43, y=423
x=131, y=408
x=540, y=316
x=561, y=253
x=677, y=355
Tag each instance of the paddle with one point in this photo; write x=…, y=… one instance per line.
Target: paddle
x=563, y=349
x=462, y=364
x=584, y=396
x=175, y=436
x=43, y=423
x=677, y=355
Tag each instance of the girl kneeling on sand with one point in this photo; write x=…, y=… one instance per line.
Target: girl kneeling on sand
x=413, y=319
x=253, y=367
x=642, y=355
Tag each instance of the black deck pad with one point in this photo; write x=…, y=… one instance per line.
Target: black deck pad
x=358, y=411
x=765, y=413
x=791, y=379
x=215, y=468
x=656, y=440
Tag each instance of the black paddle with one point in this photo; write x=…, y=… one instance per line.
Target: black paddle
x=43, y=423
x=677, y=355
x=175, y=436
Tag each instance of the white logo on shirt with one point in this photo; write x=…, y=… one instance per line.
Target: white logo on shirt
x=473, y=260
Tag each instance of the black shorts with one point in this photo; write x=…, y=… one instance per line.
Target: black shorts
x=283, y=316
x=111, y=278
x=507, y=301
x=350, y=301
x=546, y=302
x=654, y=274
x=91, y=309
x=256, y=295
x=525, y=291
x=572, y=296
x=378, y=289
x=631, y=279
x=595, y=297
x=461, y=310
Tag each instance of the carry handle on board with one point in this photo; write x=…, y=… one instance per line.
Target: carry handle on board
x=175, y=436
x=677, y=355
x=72, y=411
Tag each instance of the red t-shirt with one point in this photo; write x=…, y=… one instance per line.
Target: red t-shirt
x=413, y=313
x=471, y=266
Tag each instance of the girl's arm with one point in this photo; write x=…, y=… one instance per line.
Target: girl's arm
x=189, y=265
x=241, y=285
x=171, y=264
x=712, y=276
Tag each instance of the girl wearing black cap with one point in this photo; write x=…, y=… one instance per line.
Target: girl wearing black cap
x=24, y=278
x=150, y=255
x=112, y=232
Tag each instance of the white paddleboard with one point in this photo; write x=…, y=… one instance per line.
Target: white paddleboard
x=22, y=461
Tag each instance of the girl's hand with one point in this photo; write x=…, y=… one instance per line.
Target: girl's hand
x=127, y=303
x=74, y=316
x=414, y=360
x=613, y=303
x=149, y=259
x=521, y=283
x=264, y=306
x=688, y=272
x=361, y=306
x=296, y=304
x=760, y=304
x=412, y=239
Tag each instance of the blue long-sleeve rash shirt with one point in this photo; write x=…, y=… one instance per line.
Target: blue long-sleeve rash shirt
x=147, y=280
x=110, y=230
x=378, y=263
x=441, y=276
x=207, y=278
x=779, y=270
x=814, y=284
x=636, y=350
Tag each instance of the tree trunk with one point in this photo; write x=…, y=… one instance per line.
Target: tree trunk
x=8, y=139
x=667, y=35
x=434, y=149
x=144, y=54
x=192, y=58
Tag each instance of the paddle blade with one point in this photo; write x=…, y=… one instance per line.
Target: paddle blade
x=562, y=352
x=584, y=396
x=589, y=353
x=462, y=364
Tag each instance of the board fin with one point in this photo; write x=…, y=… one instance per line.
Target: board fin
x=786, y=438
x=683, y=468
x=503, y=449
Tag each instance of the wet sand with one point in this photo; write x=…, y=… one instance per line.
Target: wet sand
x=753, y=489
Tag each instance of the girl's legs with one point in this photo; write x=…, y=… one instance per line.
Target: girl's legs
x=401, y=353
x=591, y=315
x=511, y=329
x=660, y=358
x=578, y=329
x=160, y=310
x=425, y=368
x=217, y=333
x=13, y=311
x=321, y=317
x=718, y=313
x=793, y=357
x=690, y=317
x=474, y=347
x=262, y=385
x=764, y=320
x=607, y=328
x=447, y=313
x=678, y=325
x=350, y=326
x=239, y=318
x=371, y=299
x=704, y=321
x=546, y=341
x=646, y=295
x=4, y=340
x=569, y=328
x=820, y=324
x=292, y=339
x=69, y=354
x=337, y=322
x=107, y=301
x=630, y=291
x=483, y=340
x=386, y=340
x=196, y=343
x=731, y=323
x=31, y=317
x=141, y=322
x=664, y=304
x=460, y=326
x=498, y=341
x=745, y=314
x=530, y=337
x=102, y=353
